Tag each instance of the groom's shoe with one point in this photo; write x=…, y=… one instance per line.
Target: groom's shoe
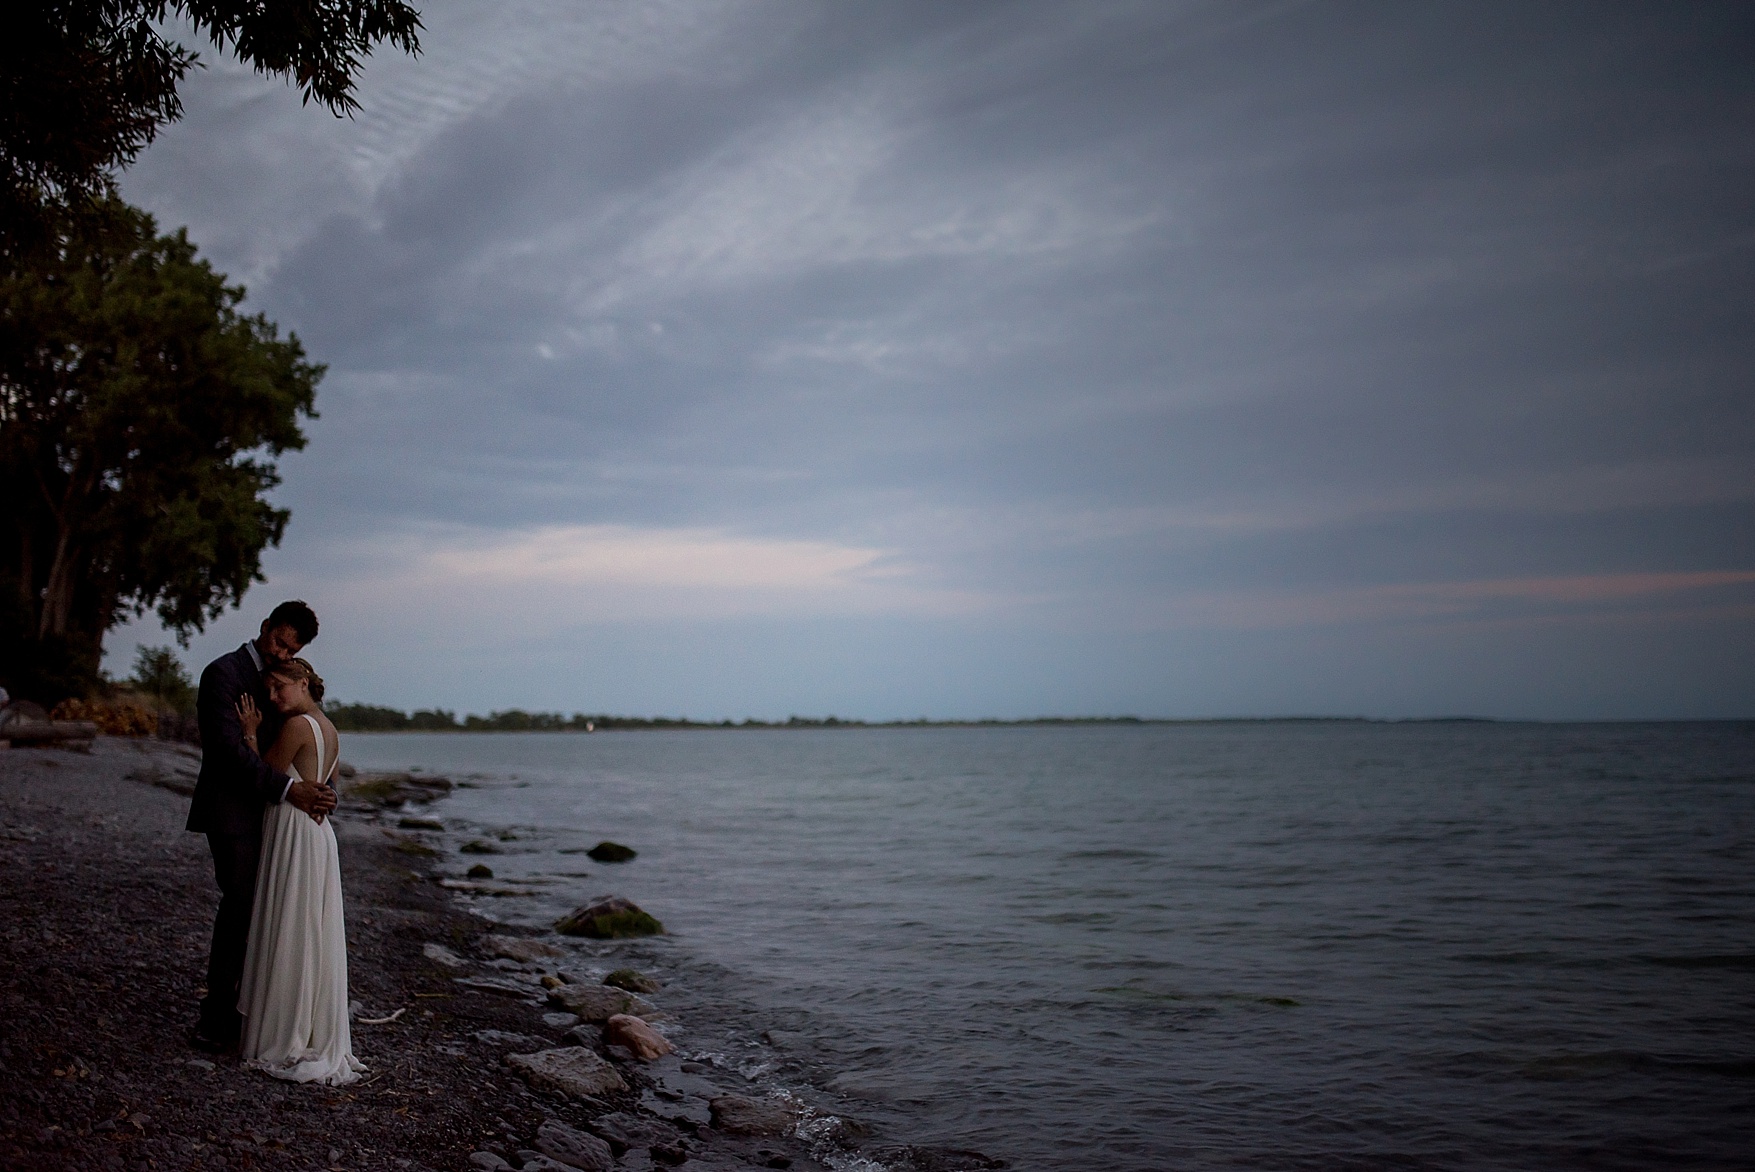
x=208, y=1044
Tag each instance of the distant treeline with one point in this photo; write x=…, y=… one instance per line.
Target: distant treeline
x=375, y=718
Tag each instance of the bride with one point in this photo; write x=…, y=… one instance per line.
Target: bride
x=294, y=991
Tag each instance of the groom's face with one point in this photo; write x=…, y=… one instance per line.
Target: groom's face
x=279, y=644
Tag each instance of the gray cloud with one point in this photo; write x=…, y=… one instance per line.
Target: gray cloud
x=1102, y=318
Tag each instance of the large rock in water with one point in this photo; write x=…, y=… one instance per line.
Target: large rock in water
x=574, y=1148
x=612, y=852
x=607, y=919
x=571, y=1070
x=600, y=1002
x=741, y=1116
x=635, y=1035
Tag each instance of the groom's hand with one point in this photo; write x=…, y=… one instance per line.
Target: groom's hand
x=314, y=799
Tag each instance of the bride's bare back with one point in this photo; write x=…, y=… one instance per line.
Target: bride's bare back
x=296, y=747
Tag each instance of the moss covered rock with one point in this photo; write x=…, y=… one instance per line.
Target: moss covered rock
x=387, y=790
x=609, y=918
x=633, y=980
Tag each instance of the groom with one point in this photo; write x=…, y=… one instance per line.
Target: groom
x=234, y=787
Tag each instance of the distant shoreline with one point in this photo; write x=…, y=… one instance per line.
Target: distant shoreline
x=517, y=721
x=359, y=718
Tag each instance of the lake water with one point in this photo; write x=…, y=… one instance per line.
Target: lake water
x=1298, y=945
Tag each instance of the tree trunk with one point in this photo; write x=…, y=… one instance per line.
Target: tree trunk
x=27, y=565
x=57, y=602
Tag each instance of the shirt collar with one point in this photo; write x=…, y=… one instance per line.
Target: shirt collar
x=255, y=655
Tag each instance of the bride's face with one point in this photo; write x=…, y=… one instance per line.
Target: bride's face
x=288, y=695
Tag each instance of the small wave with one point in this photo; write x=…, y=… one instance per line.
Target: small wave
x=1741, y=961
x=1505, y=957
x=1075, y=918
x=1134, y=992
x=1611, y=1062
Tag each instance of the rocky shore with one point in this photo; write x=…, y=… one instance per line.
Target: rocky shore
x=487, y=1047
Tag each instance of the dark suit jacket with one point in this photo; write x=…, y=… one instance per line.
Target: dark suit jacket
x=235, y=784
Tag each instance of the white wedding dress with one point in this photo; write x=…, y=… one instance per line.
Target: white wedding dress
x=294, y=991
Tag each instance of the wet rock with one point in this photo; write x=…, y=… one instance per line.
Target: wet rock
x=624, y=1131
x=608, y=918
x=834, y=1129
x=672, y=1154
x=908, y=1158
x=741, y=1116
x=480, y=846
x=645, y=1042
x=505, y=1038
x=420, y=822
x=520, y=948
x=480, y=871
x=443, y=955
x=574, y=1148
x=571, y=1070
x=599, y=1002
x=487, y=1161
x=560, y=1021
x=633, y=980
x=612, y=852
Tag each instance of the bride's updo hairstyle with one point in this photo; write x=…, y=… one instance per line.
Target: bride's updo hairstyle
x=301, y=669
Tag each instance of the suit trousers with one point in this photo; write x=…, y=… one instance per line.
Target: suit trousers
x=235, y=858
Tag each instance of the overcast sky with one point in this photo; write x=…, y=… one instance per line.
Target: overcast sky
x=885, y=360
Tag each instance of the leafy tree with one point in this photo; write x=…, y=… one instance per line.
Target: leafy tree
x=140, y=412
x=376, y=718
x=85, y=84
x=158, y=672
x=366, y=718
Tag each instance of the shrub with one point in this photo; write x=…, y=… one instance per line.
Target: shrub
x=123, y=716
